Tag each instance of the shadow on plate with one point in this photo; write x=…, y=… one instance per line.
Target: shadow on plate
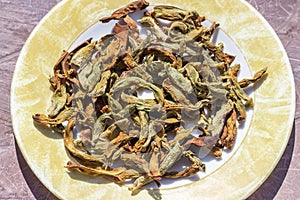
x=46, y=131
x=272, y=184
x=267, y=190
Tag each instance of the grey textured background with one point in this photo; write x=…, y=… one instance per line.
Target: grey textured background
x=17, y=20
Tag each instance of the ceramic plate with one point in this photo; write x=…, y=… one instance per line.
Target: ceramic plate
x=261, y=141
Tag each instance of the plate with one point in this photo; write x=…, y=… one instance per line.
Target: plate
x=242, y=172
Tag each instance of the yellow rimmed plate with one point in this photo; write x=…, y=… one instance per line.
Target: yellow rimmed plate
x=257, y=154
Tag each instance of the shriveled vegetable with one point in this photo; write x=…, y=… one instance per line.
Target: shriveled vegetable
x=136, y=106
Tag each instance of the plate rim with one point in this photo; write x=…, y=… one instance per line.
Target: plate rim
x=62, y=3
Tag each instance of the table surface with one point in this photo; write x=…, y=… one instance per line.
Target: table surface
x=17, y=20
